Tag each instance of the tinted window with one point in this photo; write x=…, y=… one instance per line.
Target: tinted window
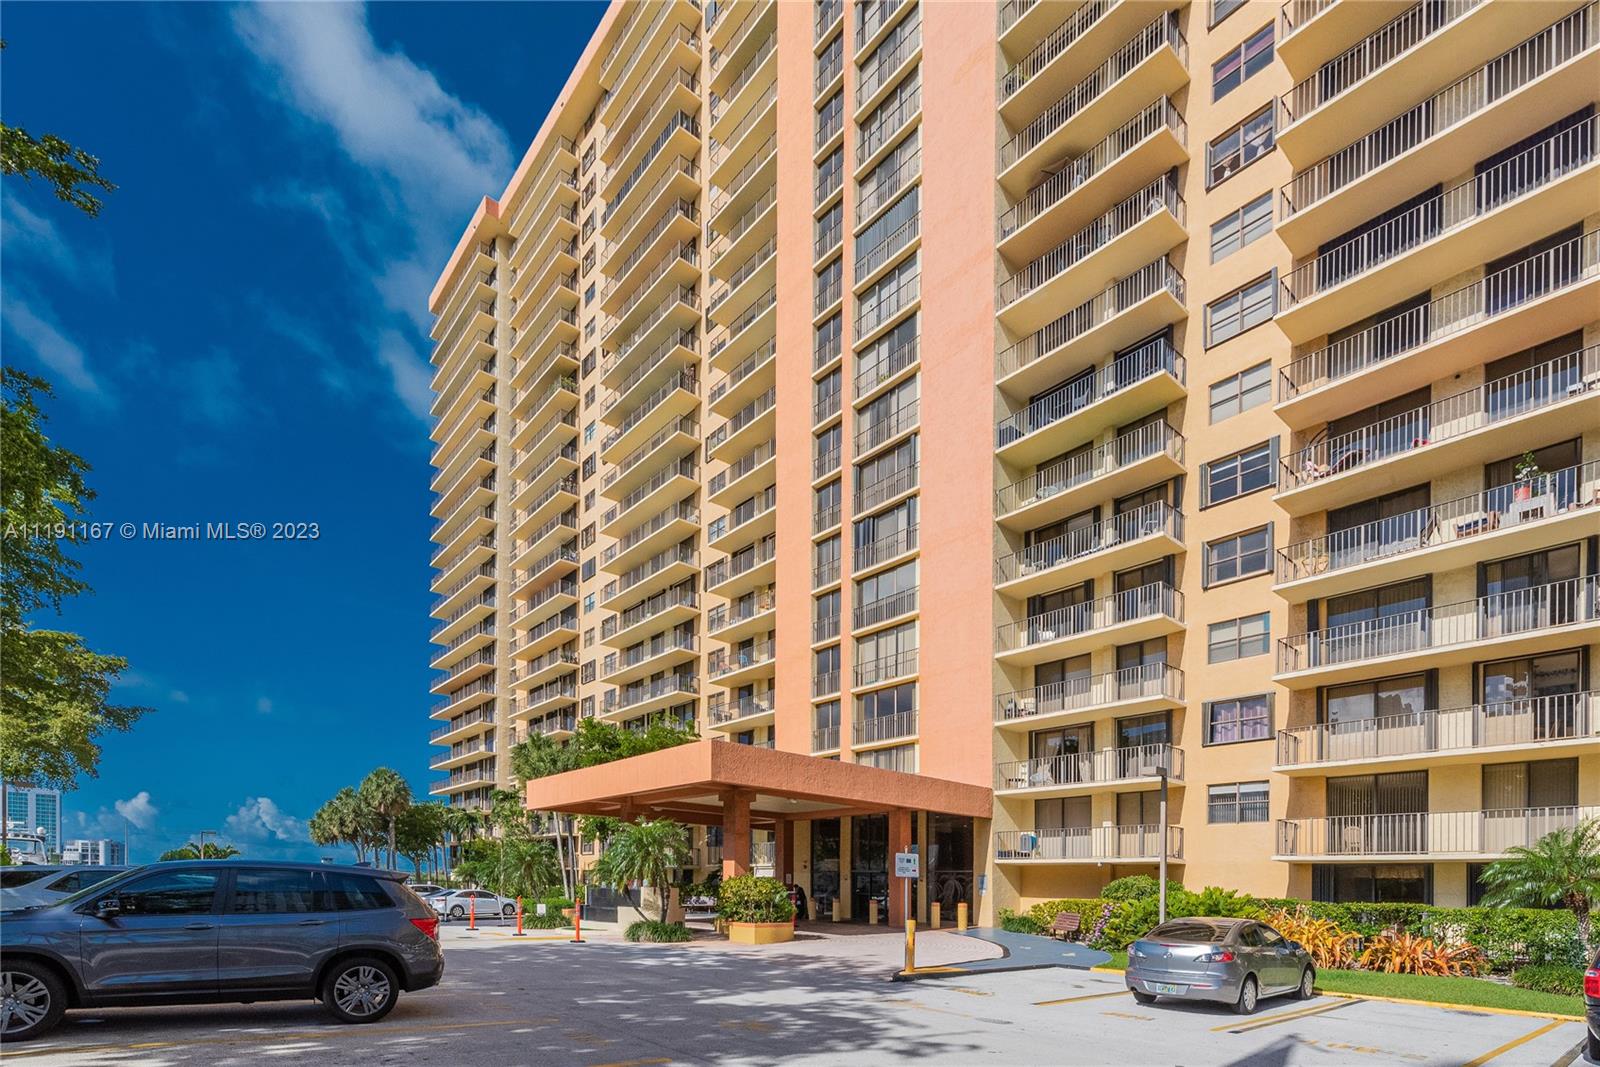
x=170, y=893
x=1188, y=931
x=274, y=892
x=1250, y=936
x=1269, y=937
x=15, y=877
x=355, y=892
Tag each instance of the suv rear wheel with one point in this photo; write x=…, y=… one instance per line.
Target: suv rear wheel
x=361, y=989
x=32, y=1001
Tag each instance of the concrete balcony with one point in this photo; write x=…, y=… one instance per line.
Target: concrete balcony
x=1507, y=520
x=1525, y=622
x=1428, y=835
x=1137, y=459
x=1154, y=63
x=671, y=483
x=662, y=652
x=1114, y=544
x=661, y=612
x=1147, y=379
x=750, y=473
x=546, y=668
x=648, y=697
x=1548, y=727
x=675, y=398
x=674, y=441
x=1549, y=75
x=735, y=667
x=553, y=632
x=883, y=730
x=561, y=694
x=1508, y=416
x=656, y=534
x=742, y=618
x=1131, y=691
x=1311, y=32
x=742, y=713
x=655, y=575
x=754, y=375
x=743, y=572
x=746, y=332
x=473, y=722
x=749, y=521
x=1122, y=618
x=1538, y=191
x=744, y=430
x=555, y=727
x=1087, y=845
x=1087, y=772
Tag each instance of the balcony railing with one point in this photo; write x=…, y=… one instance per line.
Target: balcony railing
x=1089, y=843
x=1499, y=293
x=720, y=101
x=900, y=480
x=722, y=712
x=867, y=731
x=887, y=179
x=1515, y=395
x=762, y=156
x=887, y=303
x=650, y=568
x=743, y=514
x=1527, y=721
x=1058, y=41
x=1084, y=542
x=726, y=661
x=829, y=65
x=1150, y=681
x=1143, y=363
x=824, y=739
x=744, y=271
x=677, y=597
x=1372, y=53
x=686, y=425
x=874, y=15
x=825, y=628
x=883, y=668
x=1132, y=605
x=1075, y=172
x=1012, y=10
x=888, y=57
x=828, y=12
x=873, y=612
x=886, y=427
x=1119, y=296
x=885, y=548
x=1565, y=603
x=679, y=121
x=873, y=372
x=1152, y=439
x=1162, y=33
x=461, y=722
x=753, y=311
x=886, y=249
x=743, y=610
x=1451, y=106
x=1456, y=207
x=1503, y=507
x=1089, y=768
x=881, y=126
x=724, y=570
x=649, y=650
x=745, y=367
x=742, y=466
x=825, y=684
x=632, y=696
x=687, y=380
x=1426, y=833
x=740, y=419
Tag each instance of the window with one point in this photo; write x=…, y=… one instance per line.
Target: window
x=1243, y=472
x=1240, y=719
x=1251, y=57
x=355, y=892
x=1237, y=802
x=170, y=893
x=274, y=892
x=588, y=433
x=1242, y=309
x=1239, y=556
x=1239, y=638
x=1245, y=226
x=1410, y=883
x=1221, y=9
x=588, y=600
x=1240, y=392
x=1239, y=147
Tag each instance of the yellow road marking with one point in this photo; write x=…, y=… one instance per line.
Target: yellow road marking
x=1516, y=1043
x=633, y=1063
x=1075, y=1000
x=1283, y=1017
x=1456, y=1007
x=257, y=1039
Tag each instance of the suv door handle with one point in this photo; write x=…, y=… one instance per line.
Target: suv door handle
x=199, y=926
x=313, y=922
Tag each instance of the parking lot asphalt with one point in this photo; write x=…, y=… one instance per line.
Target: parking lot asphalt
x=609, y=1004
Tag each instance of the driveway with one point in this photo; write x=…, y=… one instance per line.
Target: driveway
x=607, y=1003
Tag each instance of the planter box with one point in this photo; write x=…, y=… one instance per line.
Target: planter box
x=760, y=933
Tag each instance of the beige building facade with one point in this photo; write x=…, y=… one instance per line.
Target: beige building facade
x=1128, y=397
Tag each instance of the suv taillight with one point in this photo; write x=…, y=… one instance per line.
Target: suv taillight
x=1591, y=983
x=428, y=926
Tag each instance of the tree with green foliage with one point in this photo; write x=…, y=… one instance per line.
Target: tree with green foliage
x=647, y=851
x=417, y=830
x=66, y=169
x=387, y=795
x=193, y=851
x=529, y=868
x=1560, y=870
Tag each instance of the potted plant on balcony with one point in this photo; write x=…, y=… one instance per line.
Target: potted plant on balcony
x=757, y=911
x=1528, y=475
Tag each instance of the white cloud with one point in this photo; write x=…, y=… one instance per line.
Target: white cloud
x=214, y=388
x=178, y=696
x=138, y=810
x=34, y=239
x=260, y=819
x=264, y=705
x=421, y=156
x=34, y=325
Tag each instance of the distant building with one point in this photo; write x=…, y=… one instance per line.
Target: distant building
x=97, y=853
x=29, y=808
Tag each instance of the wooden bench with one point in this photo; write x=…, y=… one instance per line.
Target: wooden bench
x=1067, y=925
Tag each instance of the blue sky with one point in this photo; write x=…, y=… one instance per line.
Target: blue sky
x=241, y=336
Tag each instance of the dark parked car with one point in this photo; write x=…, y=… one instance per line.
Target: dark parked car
x=1591, y=1004
x=202, y=932
x=1232, y=961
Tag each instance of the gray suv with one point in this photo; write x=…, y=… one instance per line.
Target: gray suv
x=201, y=932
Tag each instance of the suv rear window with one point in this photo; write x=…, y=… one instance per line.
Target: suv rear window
x=274, y=892
x=14, y=877
x=1190, y=931
x=356, y=892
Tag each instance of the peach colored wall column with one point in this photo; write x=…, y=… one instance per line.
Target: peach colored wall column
x=958, y=280
x=736, y=834
x=899, y=841
x=783, y=850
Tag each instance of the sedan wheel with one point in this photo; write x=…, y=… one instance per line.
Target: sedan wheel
x=1249, y=996
x=509, y=910
x=31, y=1002
x=457, y=911
x=1308, y=985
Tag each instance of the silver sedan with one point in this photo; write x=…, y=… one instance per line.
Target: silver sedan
x=1231, y=961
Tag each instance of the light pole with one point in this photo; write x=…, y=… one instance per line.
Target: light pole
x=214, y=833
x=1161, y=843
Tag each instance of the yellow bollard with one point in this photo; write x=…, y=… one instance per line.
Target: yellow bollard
x=872, y=912
x=838, y=910
x=961, y=917
x=911, y=945
x=933, y=916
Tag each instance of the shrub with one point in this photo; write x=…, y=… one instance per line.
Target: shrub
x=1508, y=937
x=1330, y=945
x=1020, y=924
x=657, y=931
x=1549, y=978
x=1224, y=904
x=750, y=899
x=1128, y=923
x=552, y=919
x=1044, y=913
x=1137, y=887
x=1398, y=952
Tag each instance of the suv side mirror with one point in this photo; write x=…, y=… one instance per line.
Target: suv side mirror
x=108, y=908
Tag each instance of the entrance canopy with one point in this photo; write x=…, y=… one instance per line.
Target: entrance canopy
x=695, y=783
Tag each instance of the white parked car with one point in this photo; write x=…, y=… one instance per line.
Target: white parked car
x=424, y=889
x=457, y=903
x=62, y=882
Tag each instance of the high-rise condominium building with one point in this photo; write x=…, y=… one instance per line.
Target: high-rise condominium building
x=95, y=852
x=31, y=809
x=981, y=416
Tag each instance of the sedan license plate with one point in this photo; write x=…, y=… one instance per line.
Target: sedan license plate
x=1167, y=988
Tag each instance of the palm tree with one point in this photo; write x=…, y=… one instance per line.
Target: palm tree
x=348, y=819
x=193, y=851
x=463, y=824
x=1561, y=869
x=386, y=795
x=646, y=851
x=531, y=866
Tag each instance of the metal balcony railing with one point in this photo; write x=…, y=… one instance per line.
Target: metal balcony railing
x=877, y=306
x=883, y=609
x=721, y=712
x=885, y=359
x=1571, y=602
x=758, y=160
x=1150, y=601
x=1426, y=833
x=1087, y=541
x=868, y=731
x=869, y=495
x=825, y=684
x=1135, y=446
x=873, y=15
x=885, y=426
x=462, y=722
x=891, y=116
x=746, y=318
x=887, y=58
x=886, y=249
x=634, y=695
x=1500, y=508
x=741, y=226
x=749, y=267
x=825, y=628
x=742, y=610
x=740, y=419
x=743, y=514
x=1090, y=768
x=724, y=662
x=883, y=668
x=1532, y=389
x=1119, y=296
x=1500, y=77
x=888, y=178
x=641, y=613
x=679, y=121
x=824, y=739
x=885, y=548
x=828, y=12
x=1143, y=363
x=649, y=650
x=741, y=467
x=687, y=425
x=1088, y=843
x=1054, y=44
x=686, y=380
x=824, y=573
x=743, y=562
x=1148, y=681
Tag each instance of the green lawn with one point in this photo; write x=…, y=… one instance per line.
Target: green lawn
x=1473, y=991
x=1118, y=961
